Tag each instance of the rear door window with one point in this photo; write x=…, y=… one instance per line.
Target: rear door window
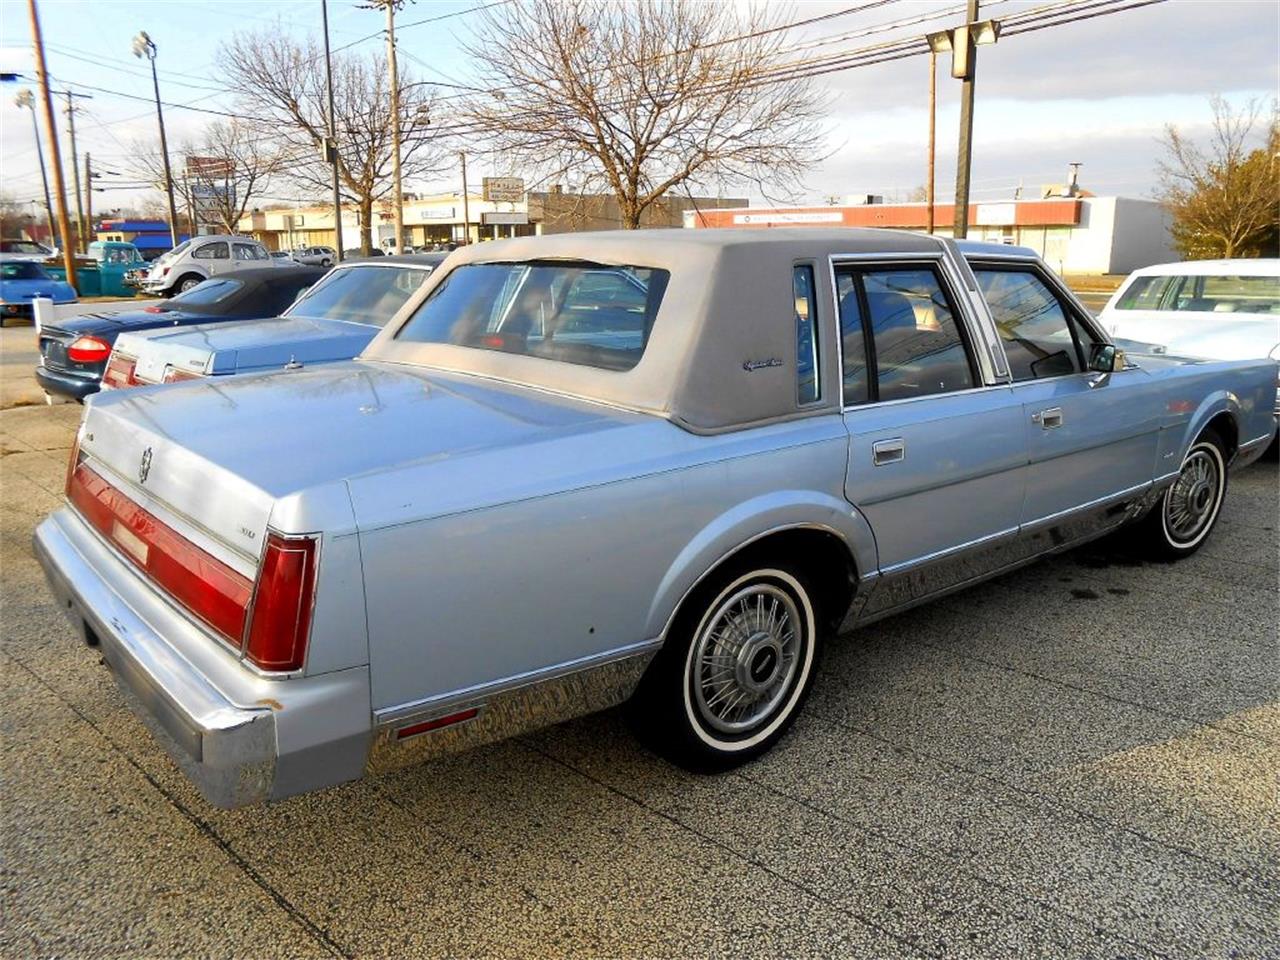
x=805, y=297
x=901, y=336
x=212, y=251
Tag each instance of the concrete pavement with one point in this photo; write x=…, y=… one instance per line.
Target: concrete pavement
x=1079, y=759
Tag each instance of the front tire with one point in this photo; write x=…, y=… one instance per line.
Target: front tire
x=738, y=663
x=1188, y=510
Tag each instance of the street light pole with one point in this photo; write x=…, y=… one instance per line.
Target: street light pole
x=331, y=149
x=144, y=46
x=933, y=139
x=964, y=159
x=466, y=205
x=395, y=123
x=70, y=111
x=25, y=99
x=55, y=157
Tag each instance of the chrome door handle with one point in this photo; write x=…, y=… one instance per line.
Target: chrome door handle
x=888, y=451
x=1049, y=419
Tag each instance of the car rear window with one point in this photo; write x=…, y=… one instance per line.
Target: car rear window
x=208, y=292
x=1203, y=294
x=362, y=294
x=574, y=312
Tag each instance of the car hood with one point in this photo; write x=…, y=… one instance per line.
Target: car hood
x=59, y=291
x=289, y=431
x=1214, y=336
x=246, y=345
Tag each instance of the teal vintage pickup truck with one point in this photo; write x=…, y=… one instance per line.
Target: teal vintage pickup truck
x=102, y=272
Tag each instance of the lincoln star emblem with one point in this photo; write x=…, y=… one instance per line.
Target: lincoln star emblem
x=144, y=468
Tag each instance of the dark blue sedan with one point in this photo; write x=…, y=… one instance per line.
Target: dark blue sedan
x=74, y=352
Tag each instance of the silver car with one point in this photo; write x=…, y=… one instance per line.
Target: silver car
x=316, y=256
x=661, y=468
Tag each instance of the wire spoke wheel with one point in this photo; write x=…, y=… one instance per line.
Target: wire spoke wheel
x=1192, y=501
x=745, y=658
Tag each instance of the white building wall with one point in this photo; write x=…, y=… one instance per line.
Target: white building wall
x=1142, y=235
x=1089, y=243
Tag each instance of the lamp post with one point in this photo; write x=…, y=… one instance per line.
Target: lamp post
x=25, y=98
x=144, y=46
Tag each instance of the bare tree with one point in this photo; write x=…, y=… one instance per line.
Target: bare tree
x=640, y=98
x=1223, y=196
x=221, y=171
x=282, y=84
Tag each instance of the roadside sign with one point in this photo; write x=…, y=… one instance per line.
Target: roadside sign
x=503, y=189
x=494, y=218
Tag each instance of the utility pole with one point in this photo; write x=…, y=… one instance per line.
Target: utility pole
x=64, y=225
x=26, y=99
x=963, y=42
x=964, y=159
x=70, y=111
x=933, y=130
x=331, y=148
x=143, y=45
x=395, y=122
x=466, y=206
x=88, y=198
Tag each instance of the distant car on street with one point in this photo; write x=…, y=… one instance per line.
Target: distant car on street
x=316, y=256
x=284, y=255
x=200, y=258
x=74, y=352
x=333, y=320
x=21, y=281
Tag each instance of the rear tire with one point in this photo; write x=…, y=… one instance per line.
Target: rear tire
x=185, y=283
x=736, y=668
x=1188, y=510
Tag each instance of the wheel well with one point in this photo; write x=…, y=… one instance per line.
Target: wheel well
x=822, y=557
x=1224, y=425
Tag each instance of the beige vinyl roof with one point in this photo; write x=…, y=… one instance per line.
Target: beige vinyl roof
x=729, y=303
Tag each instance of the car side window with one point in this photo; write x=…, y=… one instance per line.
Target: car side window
x=1144, y=293
x=916, y=345
x=853, y=342
x=211, y=251
x=1040, y=338
x=804, y=295
x=244, y=251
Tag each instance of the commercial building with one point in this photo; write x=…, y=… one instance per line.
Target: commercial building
x=1075, y=235
x=151, y=237
x=445, y=218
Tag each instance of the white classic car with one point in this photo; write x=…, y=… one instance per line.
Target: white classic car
x=662, y=467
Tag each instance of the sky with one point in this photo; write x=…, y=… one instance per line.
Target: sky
x=1099, y=92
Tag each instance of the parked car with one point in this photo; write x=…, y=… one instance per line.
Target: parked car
x=316, y=256
x=74, y=351
x=200, y=258
x=333, y=320
x=25, y=250
x=1216, y=309
x=534, y=496
x=21, y=281
x=284, y=255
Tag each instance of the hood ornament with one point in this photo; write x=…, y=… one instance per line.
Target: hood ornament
x=144, y=467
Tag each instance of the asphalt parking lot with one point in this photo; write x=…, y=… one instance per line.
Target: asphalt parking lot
x=1078, y=760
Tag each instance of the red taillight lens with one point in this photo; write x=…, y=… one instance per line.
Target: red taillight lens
x=206, y=586
x=281, y=621
x=173, y=375
x=88, y=350
x=119, y=372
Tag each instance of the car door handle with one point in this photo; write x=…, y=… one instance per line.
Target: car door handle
x=1049, y=419
x=888, y=451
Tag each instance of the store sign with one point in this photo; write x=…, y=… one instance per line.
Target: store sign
x=503, y=189
x=997, y=214
x=210, y=168
x=495, y=218
x=746, y=219
x=438, y=213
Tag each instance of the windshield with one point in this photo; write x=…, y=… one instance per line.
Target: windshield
x=208, y=292
x=1203, y=294
x=177, y=251
x=365, y=294
x=21, y=246
x=22, y=270
x=585, y=313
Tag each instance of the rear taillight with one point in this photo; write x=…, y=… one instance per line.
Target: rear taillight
x=119, y=372
x=173, y=375
x=206, y=586
x=88, y=350
x=281, y=620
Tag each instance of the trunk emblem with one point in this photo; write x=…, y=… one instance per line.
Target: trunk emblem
x=144, y=468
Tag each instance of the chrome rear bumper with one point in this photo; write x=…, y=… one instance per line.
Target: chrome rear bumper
x=241, y=738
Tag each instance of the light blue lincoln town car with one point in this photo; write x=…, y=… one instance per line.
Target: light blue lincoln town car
x=660, y=468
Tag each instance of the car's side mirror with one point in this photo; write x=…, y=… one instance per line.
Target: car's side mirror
x=1105, y=358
